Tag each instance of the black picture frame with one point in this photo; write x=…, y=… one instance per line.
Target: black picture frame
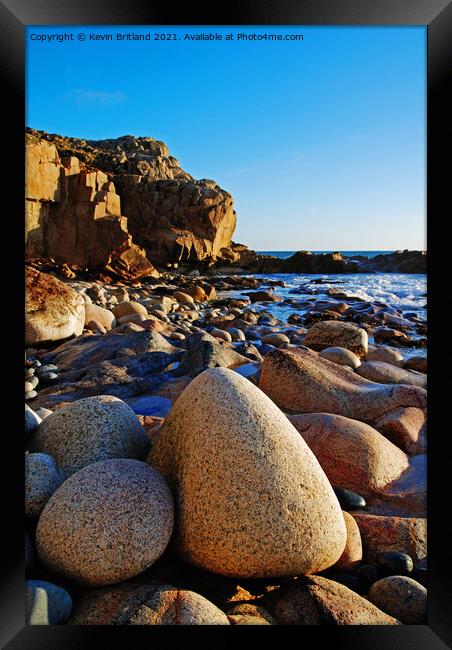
x=14, y=16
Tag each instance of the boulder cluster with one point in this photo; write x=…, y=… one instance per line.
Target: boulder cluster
x=195, y=462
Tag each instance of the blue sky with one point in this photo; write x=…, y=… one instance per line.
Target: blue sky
x=321, y=142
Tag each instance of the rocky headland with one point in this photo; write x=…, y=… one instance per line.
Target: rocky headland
x=192, y=458
x=123, y=206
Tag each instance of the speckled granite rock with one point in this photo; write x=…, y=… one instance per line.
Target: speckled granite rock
x=46, y=603
x=380, y=534
x=387, y=373
x=318, y=601
x=106, y=523
x=341, y=356
x=90, y=430
x=406, y=428
x=401, y=597
x=298, y=380
x=251, y=499
x=153, y=603
x=352, y=454
x=42, y=478
x=332, y=333
x=352, y=554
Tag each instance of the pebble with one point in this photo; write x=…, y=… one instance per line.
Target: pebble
x=32, y=420
x=28, y=386
x=401, y=597
x=31, y=394
x=395, y=562
x=236, y=334
x=368, y=574
x=349, y=500
x=48, y=378
x=49, y=367
x=46, y=604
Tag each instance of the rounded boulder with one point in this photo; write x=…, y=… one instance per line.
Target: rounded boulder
x=106, y=523
x=251, y=498
x=90, y=430
x=352, y=454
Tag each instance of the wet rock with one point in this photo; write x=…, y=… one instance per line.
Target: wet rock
x=277, y=339
x=385, y=354
x=419, y=364
x=395, y=562
x=263, y=296
x=388, y=335
x=349, y=500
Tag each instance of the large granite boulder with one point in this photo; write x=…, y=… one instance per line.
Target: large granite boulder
x=53, y=311
x=251, y=498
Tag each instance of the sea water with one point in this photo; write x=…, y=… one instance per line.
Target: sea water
x=401, y=292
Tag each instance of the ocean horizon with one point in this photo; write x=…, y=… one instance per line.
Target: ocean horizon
x=286, y=254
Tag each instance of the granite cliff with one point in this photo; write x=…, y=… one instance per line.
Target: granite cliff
x=85, y=198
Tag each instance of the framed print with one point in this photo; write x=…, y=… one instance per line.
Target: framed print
x=226, y=292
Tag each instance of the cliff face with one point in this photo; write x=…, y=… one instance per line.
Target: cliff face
x=171, y=215
x=73, y=214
